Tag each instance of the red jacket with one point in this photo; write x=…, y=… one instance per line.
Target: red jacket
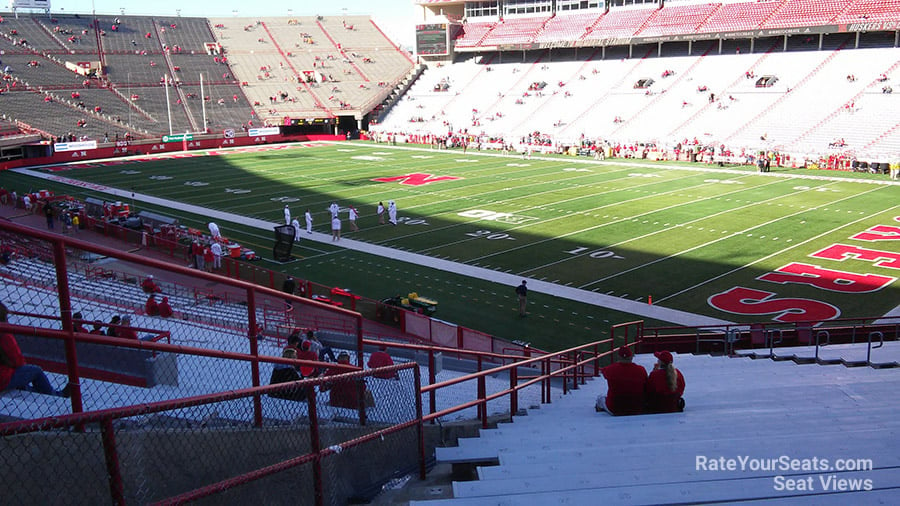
x=344, y=394
x=165, y=310
x=10, y=359
x=307, y=370
x=151, y=307
x=659, y=398
x=381, y=359
x=627, y=382
x=149, y=286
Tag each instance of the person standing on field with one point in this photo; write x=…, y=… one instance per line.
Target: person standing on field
x=296, y=225
x=522, y=294
x=380, y=212
x=392, y=212
x=335, y=229
x=287, y=215
x=308, y=222
x=353, y=214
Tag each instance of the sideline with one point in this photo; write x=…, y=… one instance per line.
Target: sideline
x=623, y=162
x=511, y=280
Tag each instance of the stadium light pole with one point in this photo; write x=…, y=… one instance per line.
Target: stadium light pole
x=168, y=104
x=129, y=97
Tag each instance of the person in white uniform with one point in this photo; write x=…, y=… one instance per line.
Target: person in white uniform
x=335, y=229
x=334, y=209
x=392, y=212
x=308, y=222
x=214, y=230
x=353, y=214
x=216, y=249
x=287, y=215
x=296, y=225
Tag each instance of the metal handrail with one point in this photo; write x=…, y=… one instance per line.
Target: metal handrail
x=869, y=346
x=819, y=334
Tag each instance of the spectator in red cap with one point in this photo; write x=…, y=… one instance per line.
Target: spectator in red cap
x=627, y=382
x=165, y=310
x=306, y=353
x=665, y=386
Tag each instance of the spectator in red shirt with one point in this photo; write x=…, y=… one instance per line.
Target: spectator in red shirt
x=343, y=394
x=78, y=323
x=306, y=353
x=151, y=307
x=627, y=383
x=381, y=359
x=165, y=310
x=665, y=386
x=208, y=258
x=15, y=374
x=125, y=331
x=150, y=286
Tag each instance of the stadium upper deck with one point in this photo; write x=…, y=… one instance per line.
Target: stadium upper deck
x=277, y=71
x=502, y=25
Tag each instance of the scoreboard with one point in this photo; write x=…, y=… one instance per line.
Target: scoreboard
x=432, y=39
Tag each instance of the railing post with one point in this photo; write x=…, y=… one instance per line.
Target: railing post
x=420, y=428
x=65, y=306
x=254, y=351
x=359, y=341
x=514, y=394
x=108, y=435
x=315, y=446
x=432, y=395
x=869, y=350
x=545, y=372
x=482, y=393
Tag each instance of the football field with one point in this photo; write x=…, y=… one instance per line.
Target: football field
x=727, y=243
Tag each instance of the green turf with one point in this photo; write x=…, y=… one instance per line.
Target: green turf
x=659, y=230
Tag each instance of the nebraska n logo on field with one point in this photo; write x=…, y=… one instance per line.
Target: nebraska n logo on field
x=416, y=179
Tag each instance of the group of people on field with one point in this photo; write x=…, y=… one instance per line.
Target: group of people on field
x=336, y=224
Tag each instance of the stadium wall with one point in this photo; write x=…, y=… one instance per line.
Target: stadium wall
x=157, y=147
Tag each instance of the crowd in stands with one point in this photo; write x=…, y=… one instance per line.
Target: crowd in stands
x=345, y=393
x=692, y=150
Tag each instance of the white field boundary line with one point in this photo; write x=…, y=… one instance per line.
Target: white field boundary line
x=703, y=218
x=661, y=166
x=595, y=227
x=729, y=236
x=615, y=303
x=782, y=251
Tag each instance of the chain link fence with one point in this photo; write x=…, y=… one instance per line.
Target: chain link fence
x=174, y=404
x=178, y=431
